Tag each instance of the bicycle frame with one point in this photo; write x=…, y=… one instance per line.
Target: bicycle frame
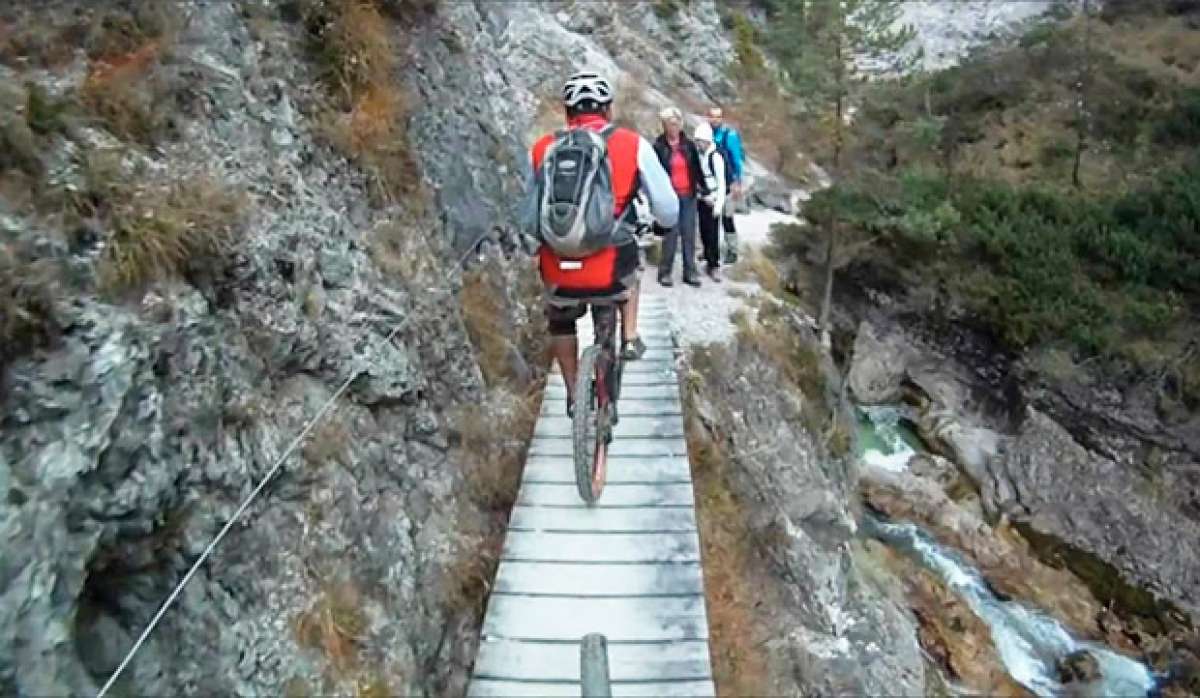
x=598, y=387
x=609, y=387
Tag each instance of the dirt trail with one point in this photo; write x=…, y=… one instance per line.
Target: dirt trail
x=703, y=315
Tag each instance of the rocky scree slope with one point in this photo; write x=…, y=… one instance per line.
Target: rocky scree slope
x=145, y=398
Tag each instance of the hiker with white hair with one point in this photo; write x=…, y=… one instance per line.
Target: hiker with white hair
x=681, y=160
x=712, y=204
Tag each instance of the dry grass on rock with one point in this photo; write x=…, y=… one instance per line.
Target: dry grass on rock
x=155, y=229
x=128, y=88
x=735, y=580
x=334, y=625
x=356, y=48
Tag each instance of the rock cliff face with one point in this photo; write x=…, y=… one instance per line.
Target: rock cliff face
x=945, y=32
x=131, y=434
x=490, y=85
x=766, y=469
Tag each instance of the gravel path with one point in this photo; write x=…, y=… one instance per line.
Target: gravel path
x=704, y=315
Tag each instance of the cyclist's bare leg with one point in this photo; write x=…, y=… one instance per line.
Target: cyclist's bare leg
x=565, y=350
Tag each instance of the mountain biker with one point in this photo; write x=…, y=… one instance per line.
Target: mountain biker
x=729, y=141
x=587, y=98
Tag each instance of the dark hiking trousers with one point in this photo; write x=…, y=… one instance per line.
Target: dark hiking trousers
x=710, y=235
x=682, y=235
x=730, y=233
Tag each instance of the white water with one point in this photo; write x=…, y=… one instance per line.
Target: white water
x=884, y=440
x=1029, y=642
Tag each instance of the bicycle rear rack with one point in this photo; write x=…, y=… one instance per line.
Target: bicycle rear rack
x=593, y=667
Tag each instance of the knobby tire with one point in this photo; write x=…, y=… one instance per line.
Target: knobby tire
x=583, y=425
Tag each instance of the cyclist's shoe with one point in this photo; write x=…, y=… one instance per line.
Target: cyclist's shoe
x=633, y=349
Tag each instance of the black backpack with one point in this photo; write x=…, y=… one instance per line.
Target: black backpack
x=728, y=158
x=574, y=193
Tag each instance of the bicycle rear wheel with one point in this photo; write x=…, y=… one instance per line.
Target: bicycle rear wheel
x=588, y=427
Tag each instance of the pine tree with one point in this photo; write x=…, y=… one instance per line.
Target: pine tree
x=821, y=45
x=1083, y=86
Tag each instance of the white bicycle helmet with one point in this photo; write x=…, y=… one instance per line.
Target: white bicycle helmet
x=586, y=86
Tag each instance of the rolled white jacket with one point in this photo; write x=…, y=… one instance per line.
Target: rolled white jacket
x=712, y=166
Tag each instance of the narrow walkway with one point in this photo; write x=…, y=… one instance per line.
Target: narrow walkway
x=628, y=567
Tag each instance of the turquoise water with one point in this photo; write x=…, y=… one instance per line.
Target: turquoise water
x=884, y=440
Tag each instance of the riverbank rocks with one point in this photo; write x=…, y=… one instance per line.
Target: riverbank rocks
x=1004, y=559
x=1063, y=492
x=957, y=640
x=877, y=367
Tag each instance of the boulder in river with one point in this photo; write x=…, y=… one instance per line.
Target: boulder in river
x=877, y=367
x=1079, y=666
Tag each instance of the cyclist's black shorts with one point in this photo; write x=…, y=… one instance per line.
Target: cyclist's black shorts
x=562, y=319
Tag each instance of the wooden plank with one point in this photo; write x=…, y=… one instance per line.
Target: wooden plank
x=601, y=520
x=487, y=688
x=565, y=579
x=558, y=495
x=661, y=366
x=627, y=427
x=630, y=407
x=671, y=689
x=656, y=378
x=491, y=688
x=539, y=661
x=615, y=548
x=629, y=390
x=561, y=469
x=618, y=448
x=619, y=619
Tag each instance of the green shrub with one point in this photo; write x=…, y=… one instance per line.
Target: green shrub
x=745, y=42
x=1035, y=263
x=1181, y=124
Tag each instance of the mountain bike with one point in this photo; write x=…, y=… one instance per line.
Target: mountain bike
x=597, y=387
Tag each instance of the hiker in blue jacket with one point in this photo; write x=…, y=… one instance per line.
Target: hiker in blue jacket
x=729, y=143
